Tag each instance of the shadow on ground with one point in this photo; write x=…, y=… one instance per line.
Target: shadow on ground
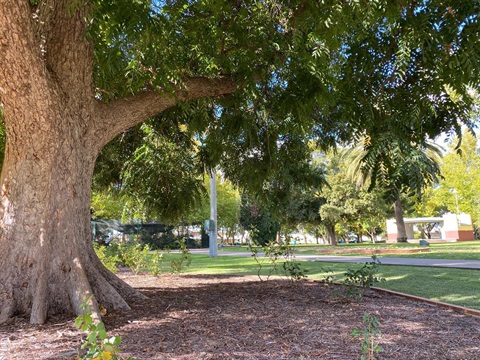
x=232, y=317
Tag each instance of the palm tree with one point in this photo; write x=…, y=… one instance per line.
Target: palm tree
x=398, y=166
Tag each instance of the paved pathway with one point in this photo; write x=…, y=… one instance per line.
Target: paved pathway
x=460, y=264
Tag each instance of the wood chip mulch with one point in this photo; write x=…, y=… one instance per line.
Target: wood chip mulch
x=220, y=317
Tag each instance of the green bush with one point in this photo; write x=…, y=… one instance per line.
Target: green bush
x=366, y=276
x=134, y=256
x=361, y=280
x=108, y=257
x=98, y=346
x=275, y=253
x=156, y=263
x=177, y=265
x=140, y=258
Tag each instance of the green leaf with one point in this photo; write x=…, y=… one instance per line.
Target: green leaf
x=79, y=321
x=356, y=332
x=92, y=337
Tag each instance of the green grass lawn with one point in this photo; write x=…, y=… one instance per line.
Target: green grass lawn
x=455, y=286
x=468, y=250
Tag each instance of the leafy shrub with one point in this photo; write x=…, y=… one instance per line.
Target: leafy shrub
x=369, y=334
x=177, y=265
x=294, y=270
x=96, y=343
x=140, y=258
x=108, y=257
x=361, y=280
x=134, y=256
x=156, y=263
x=366, y=276
x=274, y=253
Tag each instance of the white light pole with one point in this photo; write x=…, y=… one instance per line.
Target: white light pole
x=213, y=246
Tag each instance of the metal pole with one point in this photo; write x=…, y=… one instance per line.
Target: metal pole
x=213, y=246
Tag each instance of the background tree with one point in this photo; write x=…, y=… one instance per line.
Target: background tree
x=349, y=207
x=461, y=183
x=414, y=169
x=228, y=209
x=291, y=194
x=338, y=191
x=301, y=212
x=368, y=212
x=331, y=215
x=257, y=220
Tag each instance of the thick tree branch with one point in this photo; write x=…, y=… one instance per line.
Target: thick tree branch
x=117, y=116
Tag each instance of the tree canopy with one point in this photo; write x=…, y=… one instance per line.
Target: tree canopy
x=385, y=70
x=459, y=186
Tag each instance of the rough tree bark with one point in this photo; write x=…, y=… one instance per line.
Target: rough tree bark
x=55, y=130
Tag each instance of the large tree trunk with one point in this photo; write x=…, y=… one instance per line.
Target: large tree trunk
x=55, y=130
x=401, y=231
x=48, y=263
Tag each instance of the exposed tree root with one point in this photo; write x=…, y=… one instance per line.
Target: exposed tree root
x=88, y=283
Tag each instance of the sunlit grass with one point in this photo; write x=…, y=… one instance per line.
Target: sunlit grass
x=454, y=251
x=468, y=250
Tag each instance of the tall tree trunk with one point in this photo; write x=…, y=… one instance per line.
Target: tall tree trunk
x=49, y=265
x=401, y=231
x=332, y=234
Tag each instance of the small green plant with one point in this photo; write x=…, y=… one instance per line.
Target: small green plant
x=134, y=256
x=155, y=264
x=294, y=270
x=328, y=278
x=366, y=276
x=108, y=258
x=360, y=280
x=137, y=257
x=97, y=344
x=275, y=253
x=177, y=265
x=369, y=334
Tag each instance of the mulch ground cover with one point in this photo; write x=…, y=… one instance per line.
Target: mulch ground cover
x=221, y=317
